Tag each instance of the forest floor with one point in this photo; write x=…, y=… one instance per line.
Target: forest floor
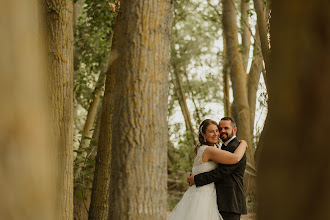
x=249, y=216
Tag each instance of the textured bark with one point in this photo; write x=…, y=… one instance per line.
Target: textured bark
x=294, y=175
x=139, y=150
x=26, y=171
x=60, y=84
x=238, y=75
x=245, y=33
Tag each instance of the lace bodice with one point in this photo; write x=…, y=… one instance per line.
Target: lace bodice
x=199, y=166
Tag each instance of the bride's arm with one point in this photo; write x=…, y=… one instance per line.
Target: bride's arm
x=225, y=157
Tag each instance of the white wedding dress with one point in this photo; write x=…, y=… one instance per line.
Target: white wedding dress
x=198, y=203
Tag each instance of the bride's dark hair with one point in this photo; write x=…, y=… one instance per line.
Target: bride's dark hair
x=202, y=128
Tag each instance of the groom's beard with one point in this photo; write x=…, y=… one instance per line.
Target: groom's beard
x=226, y=136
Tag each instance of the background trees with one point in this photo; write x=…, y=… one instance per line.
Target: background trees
x=214, y=69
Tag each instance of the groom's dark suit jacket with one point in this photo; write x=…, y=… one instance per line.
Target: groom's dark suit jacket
x=228, y=181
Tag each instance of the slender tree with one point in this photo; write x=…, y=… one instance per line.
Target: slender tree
x=263, y=33
x=139, y=140
x=245, y=32
x=177, y=81
x=60, y=83
x=237, y=73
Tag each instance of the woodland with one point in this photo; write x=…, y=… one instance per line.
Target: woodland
x=101, y=103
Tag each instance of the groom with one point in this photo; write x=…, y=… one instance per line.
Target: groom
x=228, y=179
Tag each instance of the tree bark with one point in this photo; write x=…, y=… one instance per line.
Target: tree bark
x=253, y=79
x=26, y=167
x=262, y=26
x=139, y=171
x=100, y=192
x=226, y=80
x=245, y=33
x=296, y=154
x=60, y=69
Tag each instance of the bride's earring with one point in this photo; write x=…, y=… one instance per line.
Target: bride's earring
x=204, y=139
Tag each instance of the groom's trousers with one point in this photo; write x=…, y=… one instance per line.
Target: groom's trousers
x=230, y=216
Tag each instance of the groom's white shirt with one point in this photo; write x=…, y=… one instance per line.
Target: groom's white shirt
x=227, y=142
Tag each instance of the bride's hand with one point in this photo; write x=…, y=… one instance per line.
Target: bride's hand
x=244, y=142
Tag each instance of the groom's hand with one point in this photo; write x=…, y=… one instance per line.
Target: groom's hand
x=190, y=179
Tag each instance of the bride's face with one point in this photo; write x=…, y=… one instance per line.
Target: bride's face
x=212, y=134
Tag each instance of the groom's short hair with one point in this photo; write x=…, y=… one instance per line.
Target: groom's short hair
x=227, y=118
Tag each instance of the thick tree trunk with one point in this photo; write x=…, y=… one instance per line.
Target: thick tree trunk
x=294, y=175
x=26, y=169
x=139, y=171
x=60, y=68
x=238, y=75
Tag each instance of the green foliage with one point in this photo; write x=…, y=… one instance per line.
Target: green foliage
x=92, y=45
x=86, y=165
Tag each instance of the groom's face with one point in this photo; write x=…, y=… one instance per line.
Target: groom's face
x=227, y=130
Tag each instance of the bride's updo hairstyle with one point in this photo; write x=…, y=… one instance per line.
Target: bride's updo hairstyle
x=202, y=128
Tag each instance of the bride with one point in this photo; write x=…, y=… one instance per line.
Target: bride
x=200, y=202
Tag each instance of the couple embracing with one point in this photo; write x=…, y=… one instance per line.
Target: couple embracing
x=216, y=182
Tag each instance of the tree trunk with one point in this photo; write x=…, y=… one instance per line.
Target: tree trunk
x=139, y=152
x=253, y=79
x=60, y=69
x=294, y=175
x=26, y=169
x=77, y=6
x=245, y=33
x=90, y=119
x=238, y=75
x=197, y=110
x=99, y=206
x=262, y=27
x=177, y=81
x=226, y=80
x=81, y=205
